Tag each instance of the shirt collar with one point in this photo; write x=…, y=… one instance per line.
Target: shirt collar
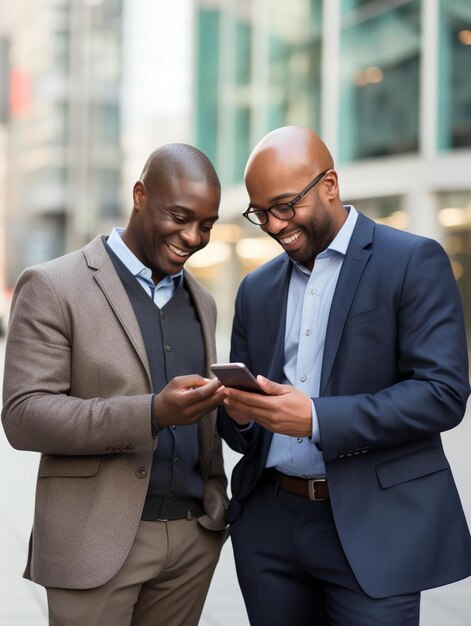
x=342, y=238
x=134, y=265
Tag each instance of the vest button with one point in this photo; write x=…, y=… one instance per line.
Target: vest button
x=176, y=460
x=141, y=472
x=168, y=349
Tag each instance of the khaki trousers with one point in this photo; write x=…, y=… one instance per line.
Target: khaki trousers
x=163, y=581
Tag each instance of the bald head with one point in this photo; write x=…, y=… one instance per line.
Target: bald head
x=291, y=148
x=177, y=161
x=292, y=167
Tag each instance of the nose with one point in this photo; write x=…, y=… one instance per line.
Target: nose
x=191, y=235
x=274, y=225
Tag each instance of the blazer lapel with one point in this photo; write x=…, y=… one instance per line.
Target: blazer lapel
x=277, y=303
x=355, y=261
x=112, y=287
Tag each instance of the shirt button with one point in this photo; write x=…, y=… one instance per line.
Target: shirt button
x=303, y=378
x=174, y=427
x=141, y=472
x=176, y=460
x=168, y=349
x=300, y=439
x=312, y=291
x=307, y=332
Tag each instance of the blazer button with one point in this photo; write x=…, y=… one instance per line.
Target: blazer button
x=141, y=472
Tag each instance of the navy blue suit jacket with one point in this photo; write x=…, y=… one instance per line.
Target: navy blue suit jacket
x=394, y=376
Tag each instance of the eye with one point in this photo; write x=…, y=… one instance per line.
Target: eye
x=178, y=219
x=281, y=208
x=206, y=228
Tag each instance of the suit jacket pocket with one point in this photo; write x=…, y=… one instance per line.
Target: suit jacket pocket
x=68, y=466
x=412, y=465
x=364, y=317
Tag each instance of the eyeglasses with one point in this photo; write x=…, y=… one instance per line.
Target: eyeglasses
x=280, y=211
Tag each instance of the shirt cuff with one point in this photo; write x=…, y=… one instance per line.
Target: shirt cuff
x=316, y=433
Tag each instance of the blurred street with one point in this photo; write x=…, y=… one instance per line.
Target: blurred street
x=22, y=603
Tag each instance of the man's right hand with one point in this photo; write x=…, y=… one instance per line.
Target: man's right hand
x=186, y=399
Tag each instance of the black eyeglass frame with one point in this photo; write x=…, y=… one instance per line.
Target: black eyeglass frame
x=250, y=210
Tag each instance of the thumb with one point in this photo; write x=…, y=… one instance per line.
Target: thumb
x=270, y=387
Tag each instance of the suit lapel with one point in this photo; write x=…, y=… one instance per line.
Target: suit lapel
x=113, y=289
x=355, y=261
x=277, y=302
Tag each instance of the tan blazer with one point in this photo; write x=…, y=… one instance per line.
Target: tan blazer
x=77, y=388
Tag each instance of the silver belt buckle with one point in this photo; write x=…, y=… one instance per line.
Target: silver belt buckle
x=311, y=488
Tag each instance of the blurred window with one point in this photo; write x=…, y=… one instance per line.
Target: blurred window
x=384, y=210
x=454, y=93
x=107, y=185
x=242, y=101
x=379, y=90
x=207, y=83
x=295, y=63
x=454, y=216
x=105, y=123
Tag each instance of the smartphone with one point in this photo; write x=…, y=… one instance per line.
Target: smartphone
x=236, y=375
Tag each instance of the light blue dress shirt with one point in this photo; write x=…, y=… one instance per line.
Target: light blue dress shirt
x=309, y=300
x=160, y=293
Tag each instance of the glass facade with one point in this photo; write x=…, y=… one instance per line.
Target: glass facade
x=295, y=63
x=384, y=210
x=454, y=93
x=235, y=105
x=379, y=78
x=207, y=83
x=384, y=82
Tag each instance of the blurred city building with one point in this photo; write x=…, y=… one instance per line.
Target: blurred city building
x=89, y=87
x=384, y=82
x=63, y=151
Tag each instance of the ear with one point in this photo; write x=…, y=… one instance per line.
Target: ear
x=331, y=184
x=139, y=194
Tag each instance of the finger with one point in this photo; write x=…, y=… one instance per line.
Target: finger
x=205, y=406
x=189, y=381
x=204, y=390
x=271, y=388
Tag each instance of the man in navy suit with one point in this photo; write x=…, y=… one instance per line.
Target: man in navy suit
x=344, y=506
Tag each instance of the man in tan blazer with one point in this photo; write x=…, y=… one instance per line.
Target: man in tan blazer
x=107, y=376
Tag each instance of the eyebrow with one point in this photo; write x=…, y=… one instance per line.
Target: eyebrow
x=281, y=196
x=190, y=213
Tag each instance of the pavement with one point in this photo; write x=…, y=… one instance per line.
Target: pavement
x=23, y=603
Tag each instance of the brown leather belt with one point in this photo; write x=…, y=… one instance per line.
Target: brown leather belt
x=313, y=488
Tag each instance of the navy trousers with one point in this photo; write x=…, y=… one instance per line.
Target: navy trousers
x=292, y=569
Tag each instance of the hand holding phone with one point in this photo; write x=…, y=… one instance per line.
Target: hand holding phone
x=236, y=375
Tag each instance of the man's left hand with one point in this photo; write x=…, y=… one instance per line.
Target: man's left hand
x=283, y=410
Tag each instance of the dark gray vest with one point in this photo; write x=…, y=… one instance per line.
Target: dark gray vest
x=174, y=346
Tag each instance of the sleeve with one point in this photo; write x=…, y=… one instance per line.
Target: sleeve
x=432, y=368
x=39, y=414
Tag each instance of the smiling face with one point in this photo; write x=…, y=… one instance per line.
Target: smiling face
x=278, y=169
x=169, y=225
x=313, y=226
